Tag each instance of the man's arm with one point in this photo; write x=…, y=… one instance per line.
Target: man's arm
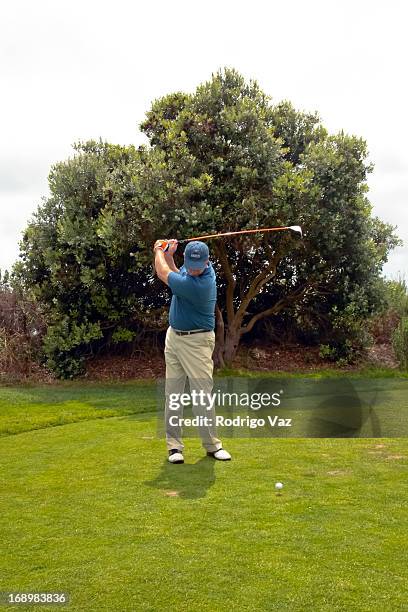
x=162, y=268
x=163, y=260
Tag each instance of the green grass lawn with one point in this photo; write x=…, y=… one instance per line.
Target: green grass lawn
x=90, y=506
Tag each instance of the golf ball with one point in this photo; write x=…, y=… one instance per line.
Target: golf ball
x=278, y=486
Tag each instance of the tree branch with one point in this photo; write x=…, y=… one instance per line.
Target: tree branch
x=259, y=281
x=280, y=304
x=219, y=337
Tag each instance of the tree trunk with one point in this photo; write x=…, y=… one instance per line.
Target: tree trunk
x=232, y=338
x=227, y=337
x=226, y=340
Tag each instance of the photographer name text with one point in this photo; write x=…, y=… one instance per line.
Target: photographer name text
x=221, y=421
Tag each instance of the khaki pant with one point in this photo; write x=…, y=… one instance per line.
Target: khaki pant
x=189, y=357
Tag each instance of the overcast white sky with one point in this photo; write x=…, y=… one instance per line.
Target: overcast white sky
x=74, y=70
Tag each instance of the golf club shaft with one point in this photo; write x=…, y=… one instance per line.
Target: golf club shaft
x=252, y=231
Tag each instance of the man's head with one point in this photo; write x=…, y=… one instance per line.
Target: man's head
x=196, y=257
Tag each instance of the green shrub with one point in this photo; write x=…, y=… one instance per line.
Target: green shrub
x=123, y=335
x=397, y=296
x=64, y=346
x=326, y=352
x=400, y=343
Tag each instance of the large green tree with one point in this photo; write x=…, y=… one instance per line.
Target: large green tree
x=268, y=165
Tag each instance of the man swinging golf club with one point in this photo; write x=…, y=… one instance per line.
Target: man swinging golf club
x=190, y=341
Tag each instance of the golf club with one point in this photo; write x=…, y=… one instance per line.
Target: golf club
x=293, y=228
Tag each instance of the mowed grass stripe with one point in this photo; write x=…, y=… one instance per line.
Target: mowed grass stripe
x=28, y=408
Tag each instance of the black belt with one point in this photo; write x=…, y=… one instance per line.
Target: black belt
x=194, y=331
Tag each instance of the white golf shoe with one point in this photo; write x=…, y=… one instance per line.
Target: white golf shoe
x=176, y=456
x=221, y=454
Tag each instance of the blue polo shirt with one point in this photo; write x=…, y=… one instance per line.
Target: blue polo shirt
x=193, y=302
